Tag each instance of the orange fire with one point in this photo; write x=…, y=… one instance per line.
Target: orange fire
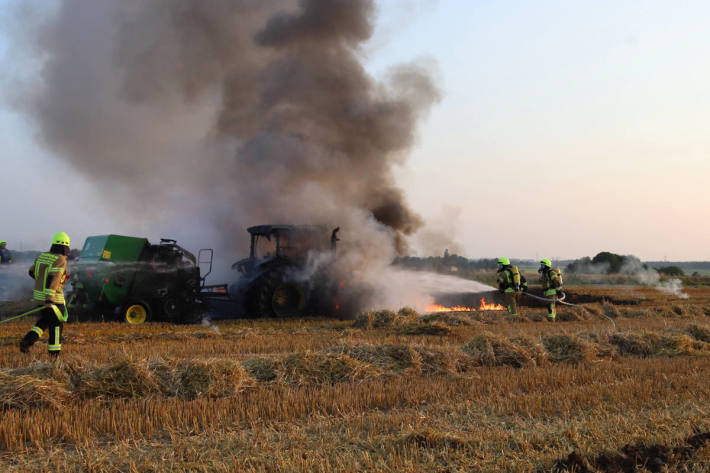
x=441, y=308
x=458, y=308
x=485, y=306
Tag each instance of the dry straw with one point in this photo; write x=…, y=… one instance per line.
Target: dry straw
x=25, y=392
x=320, y=368
x=488, y=349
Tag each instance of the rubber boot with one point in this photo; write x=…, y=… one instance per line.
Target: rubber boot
x=28, y=341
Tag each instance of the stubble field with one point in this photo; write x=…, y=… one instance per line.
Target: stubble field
x=448, y=392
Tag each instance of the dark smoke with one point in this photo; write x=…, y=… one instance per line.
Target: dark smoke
x=232, y=113
x=255, y=110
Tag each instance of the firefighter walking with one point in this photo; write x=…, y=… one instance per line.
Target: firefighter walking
x=551, y=280
x=511, y=284
x=50, y=273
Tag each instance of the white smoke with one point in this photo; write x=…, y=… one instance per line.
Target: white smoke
x=15, y=283
x=650, y=277
x=417, y=289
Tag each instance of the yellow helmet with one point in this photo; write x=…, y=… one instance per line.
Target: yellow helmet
x=3, y=242
x=503, y=261
x=61, y=238
x=546, y=262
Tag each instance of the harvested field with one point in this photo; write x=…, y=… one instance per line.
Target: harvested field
x=390, y=391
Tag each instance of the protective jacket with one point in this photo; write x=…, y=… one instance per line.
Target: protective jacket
x=5, y=256
x=50, y=273
x=551, y=281
x=508, y=278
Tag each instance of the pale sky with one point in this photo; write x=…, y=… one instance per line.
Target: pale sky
x=565, y=128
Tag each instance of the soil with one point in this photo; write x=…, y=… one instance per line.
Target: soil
x=633, y=458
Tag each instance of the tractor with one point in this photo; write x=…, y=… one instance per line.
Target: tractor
x=127, y=278
x=287, y=272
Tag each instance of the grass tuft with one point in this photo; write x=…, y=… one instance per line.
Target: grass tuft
x=489, y=349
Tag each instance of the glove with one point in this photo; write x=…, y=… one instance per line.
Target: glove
x=516, y=288
x=560, y=293
x=525, y=289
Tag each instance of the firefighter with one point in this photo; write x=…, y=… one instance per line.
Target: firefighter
x=551, y=280
x=510, y=284
x=50, y=273
x=5, y=256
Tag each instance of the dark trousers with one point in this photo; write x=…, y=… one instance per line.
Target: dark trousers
x=512, y=300
x=48, y=322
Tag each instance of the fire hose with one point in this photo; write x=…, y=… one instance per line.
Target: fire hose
x=561, y=300
x=57, y=312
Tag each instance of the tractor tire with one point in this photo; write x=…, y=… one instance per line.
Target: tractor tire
x=278, y=298
x=171, y=309
x=137, y=312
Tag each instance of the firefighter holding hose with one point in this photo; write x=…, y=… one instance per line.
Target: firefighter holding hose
x=50, y=273
x=551, y=280
x=511, y=283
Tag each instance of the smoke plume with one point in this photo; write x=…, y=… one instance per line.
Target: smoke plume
x=230, y=113
x=248, y=111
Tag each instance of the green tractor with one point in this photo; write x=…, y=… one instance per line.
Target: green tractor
x=127, y=278
x=287, y=273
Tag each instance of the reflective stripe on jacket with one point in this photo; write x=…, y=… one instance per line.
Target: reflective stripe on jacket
x=50, y=273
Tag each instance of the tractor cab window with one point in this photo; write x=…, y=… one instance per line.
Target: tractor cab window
x=291, y=246
x=297, y=245
x=264, y=247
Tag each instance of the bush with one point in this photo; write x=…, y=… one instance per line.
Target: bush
x=671, y=271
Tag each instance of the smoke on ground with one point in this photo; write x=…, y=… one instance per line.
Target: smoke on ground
x=15, y=284
x=231, y=113
x=416, y=289
x=651, y=277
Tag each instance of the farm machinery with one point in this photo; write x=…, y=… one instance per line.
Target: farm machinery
x=127, y=278
x=287, y=274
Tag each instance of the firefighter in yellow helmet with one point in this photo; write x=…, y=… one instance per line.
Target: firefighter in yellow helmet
x=551, y=280
x=5, y=256
x=50, y=273
x=511, y=283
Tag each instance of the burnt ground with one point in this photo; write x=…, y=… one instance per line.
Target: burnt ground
x=635, y=458
x=472, y=299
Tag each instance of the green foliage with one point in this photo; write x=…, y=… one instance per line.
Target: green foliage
x=612, y=259
x=607, y=262
x=671, y=271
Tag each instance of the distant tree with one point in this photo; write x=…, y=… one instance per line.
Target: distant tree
x=614, y=261
x=579, y=265
x=671, y=271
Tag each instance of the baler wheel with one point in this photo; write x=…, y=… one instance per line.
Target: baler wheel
x=137, y=313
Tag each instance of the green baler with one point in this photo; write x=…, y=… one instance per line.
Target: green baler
x=122, y=277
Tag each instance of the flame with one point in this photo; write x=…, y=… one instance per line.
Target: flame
x=493, y=306
x=441, y=308
x=459, y=308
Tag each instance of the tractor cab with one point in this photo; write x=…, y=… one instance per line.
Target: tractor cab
x=285, y=244
x=277, y=279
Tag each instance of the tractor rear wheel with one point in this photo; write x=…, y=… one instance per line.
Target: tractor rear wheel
x=279, y=298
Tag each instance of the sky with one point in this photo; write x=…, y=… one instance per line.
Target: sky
x=565, y=128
